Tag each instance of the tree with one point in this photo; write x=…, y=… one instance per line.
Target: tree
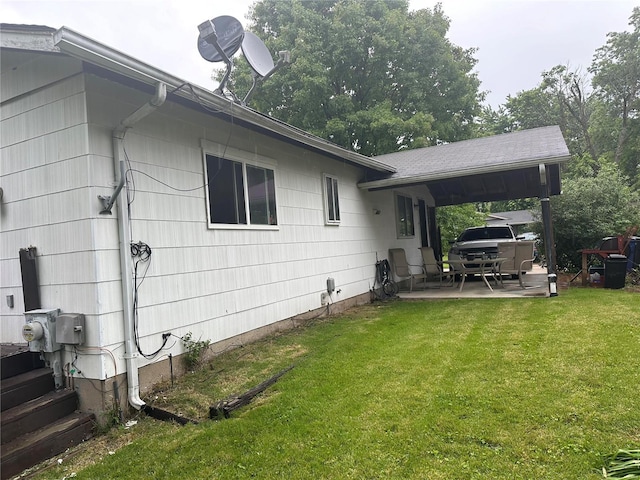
x=494, y=122
x=533, y=108
x=616, y=77
x=574, y=106
x=562, y=98
x=453, y=219
x=589, y=122
x=368, y=75
x=589, y=209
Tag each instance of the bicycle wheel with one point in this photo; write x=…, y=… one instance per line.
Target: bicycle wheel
x=390, y=288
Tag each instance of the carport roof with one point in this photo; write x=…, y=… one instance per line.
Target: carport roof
x=501, y=167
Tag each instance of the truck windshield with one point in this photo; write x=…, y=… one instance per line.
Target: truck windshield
x=485, y=234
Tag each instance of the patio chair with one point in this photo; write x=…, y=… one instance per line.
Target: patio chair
x=432, y=268
x=402, y=269
x=508, y=250
x=524, y=259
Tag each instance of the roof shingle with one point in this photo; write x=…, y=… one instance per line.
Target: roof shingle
x=500, y=152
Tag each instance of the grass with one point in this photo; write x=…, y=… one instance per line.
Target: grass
x=473, y=389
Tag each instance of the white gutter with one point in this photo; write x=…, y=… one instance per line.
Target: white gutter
x=431, y=177
x=131, y=352
x=86, y=49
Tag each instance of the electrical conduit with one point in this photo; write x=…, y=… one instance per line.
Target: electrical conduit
x=125, y=243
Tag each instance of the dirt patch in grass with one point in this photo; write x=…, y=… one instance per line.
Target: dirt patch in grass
x=230, y=374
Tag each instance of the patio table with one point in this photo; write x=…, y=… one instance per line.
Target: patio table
x=482, y=266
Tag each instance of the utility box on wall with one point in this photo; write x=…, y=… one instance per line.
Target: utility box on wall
x=40, y=330
x=331, y=285
x=70, y=328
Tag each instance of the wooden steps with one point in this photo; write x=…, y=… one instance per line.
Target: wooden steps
x=17, y=360
x=28, y=385
x=37, y=422
x=49, y=441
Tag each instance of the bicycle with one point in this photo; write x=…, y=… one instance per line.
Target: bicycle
x=385, y=279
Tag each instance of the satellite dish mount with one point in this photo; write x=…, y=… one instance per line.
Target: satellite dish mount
x=221, y=38
x=260, y=61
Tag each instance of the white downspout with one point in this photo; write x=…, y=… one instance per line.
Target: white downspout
x=131, y=352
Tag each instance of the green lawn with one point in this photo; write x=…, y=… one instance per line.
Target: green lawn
x=539, y=388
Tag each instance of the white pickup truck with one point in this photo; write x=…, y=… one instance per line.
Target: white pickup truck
x=479, y=242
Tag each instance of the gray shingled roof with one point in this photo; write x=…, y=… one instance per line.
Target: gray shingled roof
x=502, y=167
x=508, y=151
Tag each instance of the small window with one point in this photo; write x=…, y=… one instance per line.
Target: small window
x=332, y=202
x=404, y=216
x=240, y=194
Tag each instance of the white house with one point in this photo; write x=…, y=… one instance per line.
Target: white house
x=229, y=222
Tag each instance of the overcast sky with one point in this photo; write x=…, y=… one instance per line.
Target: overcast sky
x=516, y=39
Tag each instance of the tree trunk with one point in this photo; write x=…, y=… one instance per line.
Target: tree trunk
x=624, y=132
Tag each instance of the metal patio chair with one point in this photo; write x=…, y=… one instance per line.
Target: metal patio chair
x=524, y=260
x=434, y=269
x=402, y=268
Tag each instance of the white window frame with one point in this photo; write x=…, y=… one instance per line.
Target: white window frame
x=406, y=202
x=331, y=199
x=234, y=155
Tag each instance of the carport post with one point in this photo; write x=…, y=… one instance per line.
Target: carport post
x=547, y=225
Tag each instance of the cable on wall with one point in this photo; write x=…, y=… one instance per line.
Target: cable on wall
x=141, y=252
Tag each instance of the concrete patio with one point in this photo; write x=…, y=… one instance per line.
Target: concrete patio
x=535, y=281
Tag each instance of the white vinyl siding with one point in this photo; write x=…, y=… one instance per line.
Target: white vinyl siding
x=48, y=195
x=213, y=282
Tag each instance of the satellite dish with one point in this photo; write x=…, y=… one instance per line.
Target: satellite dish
x=221, y=38
x=260, y=60
x=257, y=54
x=227, y=32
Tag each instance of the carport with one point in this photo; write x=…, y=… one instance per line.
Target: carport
x=510, y=166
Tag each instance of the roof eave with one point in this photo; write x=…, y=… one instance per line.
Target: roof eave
x=86, y=49
x=36, y=38
x=416, y=179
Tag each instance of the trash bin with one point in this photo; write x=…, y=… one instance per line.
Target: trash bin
x=615, y=271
